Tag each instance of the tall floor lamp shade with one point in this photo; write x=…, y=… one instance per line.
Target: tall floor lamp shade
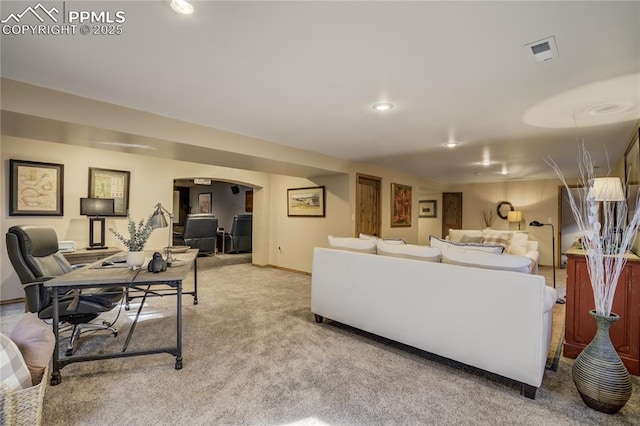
x=98, y=208
x=553, y=253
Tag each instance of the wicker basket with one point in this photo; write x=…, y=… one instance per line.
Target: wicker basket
x=23, y=407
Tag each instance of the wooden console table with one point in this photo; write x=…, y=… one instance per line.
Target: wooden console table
x=89, y=256
x=580, y=327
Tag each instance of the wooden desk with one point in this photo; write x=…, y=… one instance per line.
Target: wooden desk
x=89, y=256
x=580, y=327
x=95, y=276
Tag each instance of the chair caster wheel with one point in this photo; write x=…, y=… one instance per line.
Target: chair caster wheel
x=56, y=380
x=115, y=334
x=68, y=352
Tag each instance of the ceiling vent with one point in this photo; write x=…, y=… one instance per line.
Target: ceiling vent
x=544, y=49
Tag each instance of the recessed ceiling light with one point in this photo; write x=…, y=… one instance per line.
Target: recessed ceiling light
x=382, y=106
x=451, y=144
x=182, y=6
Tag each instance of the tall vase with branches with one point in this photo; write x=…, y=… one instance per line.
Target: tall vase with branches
x=603, y=385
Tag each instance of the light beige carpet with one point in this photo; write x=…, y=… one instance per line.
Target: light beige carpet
x=253, y=355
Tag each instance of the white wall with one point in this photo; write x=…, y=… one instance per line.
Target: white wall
x=151, y=182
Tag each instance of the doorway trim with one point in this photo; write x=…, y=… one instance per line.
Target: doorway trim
x=379, y=206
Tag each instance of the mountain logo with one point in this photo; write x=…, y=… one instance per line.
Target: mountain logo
x=38, y=11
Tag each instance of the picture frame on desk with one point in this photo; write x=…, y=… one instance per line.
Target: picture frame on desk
x=35, y=188
x=107, y=183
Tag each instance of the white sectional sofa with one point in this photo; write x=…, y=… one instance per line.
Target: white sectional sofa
x=499, y=321
x=516, y=242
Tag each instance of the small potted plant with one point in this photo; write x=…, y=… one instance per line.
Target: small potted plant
x=138, y=236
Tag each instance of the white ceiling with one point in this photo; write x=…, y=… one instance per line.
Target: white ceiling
x=306, y=74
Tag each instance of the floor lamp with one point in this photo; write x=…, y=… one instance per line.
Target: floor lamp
x=553, y=254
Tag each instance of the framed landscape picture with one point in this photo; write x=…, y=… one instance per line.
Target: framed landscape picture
x=400, y=205
x=632, y=174
x=306, y=202
x=105, y=183
x=35, y=189
x=428, y=208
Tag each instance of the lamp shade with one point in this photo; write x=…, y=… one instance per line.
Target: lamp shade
x=606, y=189
x=97, y=206
x=514, y=216
x=159, y=221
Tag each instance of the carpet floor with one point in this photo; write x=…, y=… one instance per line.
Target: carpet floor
x=253, y=355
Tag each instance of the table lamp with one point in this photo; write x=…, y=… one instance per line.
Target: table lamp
x=161, y=222
x=97, y=208
x=515, y=216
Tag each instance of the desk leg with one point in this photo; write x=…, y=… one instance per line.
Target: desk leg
x=56, y=378
x=179, y=327
x=195, y=281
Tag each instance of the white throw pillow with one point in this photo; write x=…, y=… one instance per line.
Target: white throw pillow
x=464, y=256
x=441, y=244
x=13, y=370
x=519, y=244
x=409, y=251
x=352, y=244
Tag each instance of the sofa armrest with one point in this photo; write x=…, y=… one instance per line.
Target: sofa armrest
x=550, y=297
x=534, y=255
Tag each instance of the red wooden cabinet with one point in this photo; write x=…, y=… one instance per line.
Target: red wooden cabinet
x=580, y=326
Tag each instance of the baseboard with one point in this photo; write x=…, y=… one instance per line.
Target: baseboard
x=282, y=268
x=8, y=302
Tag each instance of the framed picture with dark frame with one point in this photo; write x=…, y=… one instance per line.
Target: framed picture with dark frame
x=428, y=208
x=204, y=202
x=36, y=189
x=632, y=174
x=107, y=183
x=306, y=202
x=400, y=205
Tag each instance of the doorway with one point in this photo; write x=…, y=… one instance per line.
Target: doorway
x=368, y=220
x=568, y=231
x=451, y=211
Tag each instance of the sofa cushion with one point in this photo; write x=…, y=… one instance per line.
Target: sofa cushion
x=36, y=341
x=13, y=369
x=388, y=240
x=519, y=244
x=464, y=256
x=497, y=238
x=439, y=243
x=466, y=239
x=352, y=244
x=409, y=251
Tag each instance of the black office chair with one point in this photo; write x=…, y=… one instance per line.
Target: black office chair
x=199, y=232
x=33, y=251
x=239, y=239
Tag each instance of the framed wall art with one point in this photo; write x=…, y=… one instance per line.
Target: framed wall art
x=204, y=202
x=632, y=174
x=306, y=202
x=248, y=201
x=428, y=208
x=36, y=189
x=105, y=183
x=400, y=205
